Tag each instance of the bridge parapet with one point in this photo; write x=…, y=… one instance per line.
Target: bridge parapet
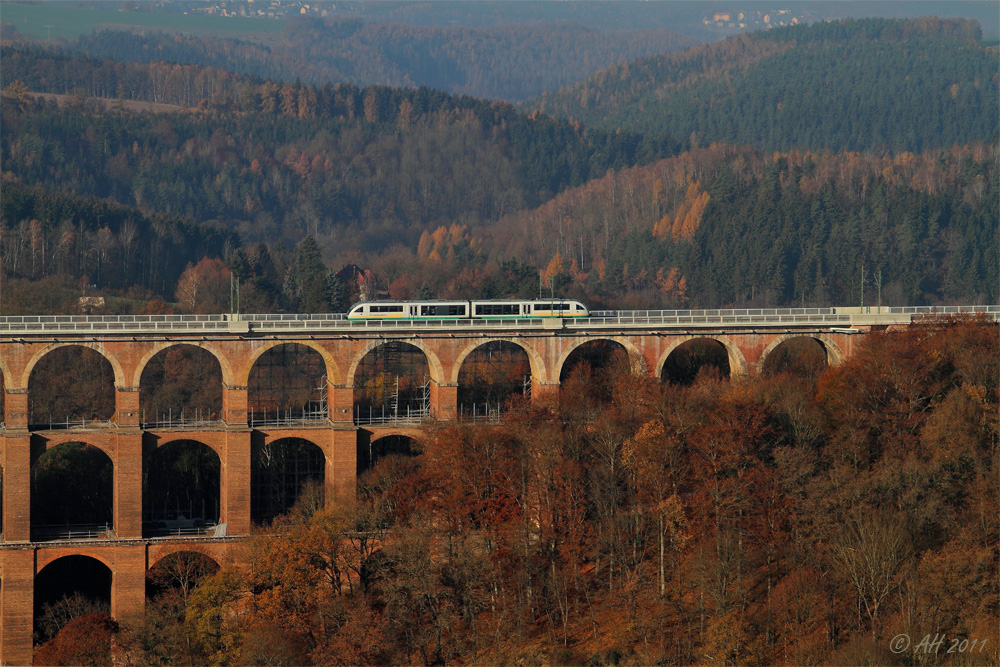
x=242, y=324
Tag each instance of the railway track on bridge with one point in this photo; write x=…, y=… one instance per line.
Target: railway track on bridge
x=339, y=325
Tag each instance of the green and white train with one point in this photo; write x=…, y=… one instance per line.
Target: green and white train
x=440, y=309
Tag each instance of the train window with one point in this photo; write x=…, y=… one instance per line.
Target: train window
x=385, y=309
x=453, y=310
x=498, y=309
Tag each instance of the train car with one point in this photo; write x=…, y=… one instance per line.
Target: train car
x=409, y=310
x=439, y=309
x=505, y=309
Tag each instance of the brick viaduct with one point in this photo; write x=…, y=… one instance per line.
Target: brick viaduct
x=237, y=343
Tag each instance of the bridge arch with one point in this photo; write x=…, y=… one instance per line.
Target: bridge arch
x=738, y=365
x=215, y=441
x=71, y=488
x=281, y=472
x=182, y=486
x=377, y=446
x=434, y=366
x=332, y=369
x=636, y=361
x=834, y=355
x=46, y=557
x=538, y=371
x=105, y=441
x=63, y=573
x=155, y=554
x=227, y=370
x=120, y=380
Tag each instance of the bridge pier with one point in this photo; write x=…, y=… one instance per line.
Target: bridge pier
x=342, y=467
x=234, y=404
x=127, y=406
x=444, y=400
x=16, y=407
x=128, y=583
x=340, y=403
x=544, y=394
x=128, y=485
x=15, y=458
x=17, y=604
x=234, y=507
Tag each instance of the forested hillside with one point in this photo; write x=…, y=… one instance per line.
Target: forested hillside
x=871, y=85
x=451, y=196
x=510, y=62
x=728, y=226
x=368, y=167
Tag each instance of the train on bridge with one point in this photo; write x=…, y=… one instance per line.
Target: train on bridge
x=438, y=309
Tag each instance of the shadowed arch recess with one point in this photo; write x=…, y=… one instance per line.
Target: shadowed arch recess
x=71, y=384
x=180, y=384
x=834, y=355
x=635, y=357
x=262, y=347
x=220, y=358
x=119, y=374
x=281, y=473
x=72, y=491
x=737, y=362
x=181, y=488
x=435, y=369
x=538, y=370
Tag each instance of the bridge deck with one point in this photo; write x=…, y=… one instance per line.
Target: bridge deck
x=243, y=324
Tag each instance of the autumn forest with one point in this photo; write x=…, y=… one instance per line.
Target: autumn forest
x=806, y=513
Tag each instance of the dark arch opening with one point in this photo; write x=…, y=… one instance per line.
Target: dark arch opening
x=180, y=489
x=285, y=472
x=287, y=384
x=392, y=384
x=589, y=371
x=72, y=493
x=180, y=385
x=71, y=386
x=802, y=356
x=177, y=574
x=66, y=588
x=703, y=357
x=371, y=451
x=490, y=376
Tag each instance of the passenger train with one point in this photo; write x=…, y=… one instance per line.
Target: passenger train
x=439, y=309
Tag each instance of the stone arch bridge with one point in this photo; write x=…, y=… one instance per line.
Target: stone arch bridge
x=129, y=343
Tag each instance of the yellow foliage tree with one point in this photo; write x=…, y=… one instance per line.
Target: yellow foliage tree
x=554, y=268
x=689, y=215
x=425, y=246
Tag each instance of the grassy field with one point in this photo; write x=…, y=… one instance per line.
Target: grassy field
x=54, y=20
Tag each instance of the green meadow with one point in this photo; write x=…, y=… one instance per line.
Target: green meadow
x=54, y=20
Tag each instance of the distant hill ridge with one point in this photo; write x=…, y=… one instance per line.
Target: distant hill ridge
x=868, y=85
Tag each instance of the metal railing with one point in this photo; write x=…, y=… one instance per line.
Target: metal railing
x=180, y=421
x=287, y=417
x=273, y=323
x=179, y=528
x=72, y=423
x=80, y=531
x=480, y=413
x=390, y=415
